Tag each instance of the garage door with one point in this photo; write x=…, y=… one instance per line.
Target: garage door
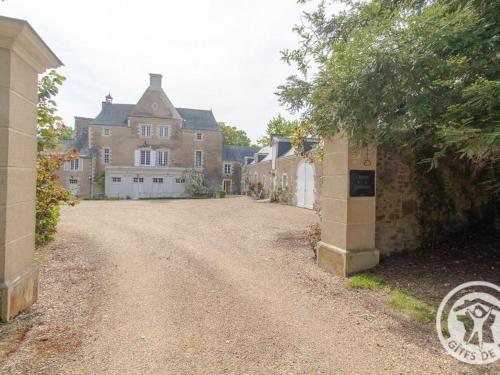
x=305, y=185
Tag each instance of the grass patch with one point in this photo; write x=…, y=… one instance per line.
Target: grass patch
x=366, y=281
x=398, y=300
x=411, y=306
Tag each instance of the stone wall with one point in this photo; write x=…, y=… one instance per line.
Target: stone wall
x=397, y=225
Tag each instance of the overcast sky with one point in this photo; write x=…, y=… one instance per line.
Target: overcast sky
x=219, y=54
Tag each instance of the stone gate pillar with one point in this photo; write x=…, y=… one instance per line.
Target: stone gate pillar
x=23, y=55
x=348, y=209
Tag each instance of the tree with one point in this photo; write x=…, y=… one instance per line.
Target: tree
x=49, y=191
x=68, y=134
x=277, y=126
x=233, y=136
x=419, y=74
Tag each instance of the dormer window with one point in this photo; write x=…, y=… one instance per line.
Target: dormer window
x=145, y=131
x=199, y=136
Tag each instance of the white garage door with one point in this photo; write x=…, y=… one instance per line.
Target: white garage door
x=305, y=185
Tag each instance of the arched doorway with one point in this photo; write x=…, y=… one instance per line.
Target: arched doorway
x=305, y=184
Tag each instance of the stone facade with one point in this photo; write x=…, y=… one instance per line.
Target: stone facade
x=233, y=159
x=116, y=141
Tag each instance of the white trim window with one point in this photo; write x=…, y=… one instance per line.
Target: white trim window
x=73, y=181
x=180, y=180
x=145, y=157
x=255, y=177
x=157, y=180
x=145, y=130
x=106, y=155
x=162, y=158
x=198, y=158
x=139, y=180
x=106, y=132
x=75, y=165
x=198, y=136
x=228, y=168
x=284, y=181
x=163, y=131
x=116, y=180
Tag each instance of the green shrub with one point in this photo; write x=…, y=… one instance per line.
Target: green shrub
x=50, y=129
x=222, y=194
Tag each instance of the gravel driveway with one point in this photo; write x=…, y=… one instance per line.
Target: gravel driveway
x=208, y=286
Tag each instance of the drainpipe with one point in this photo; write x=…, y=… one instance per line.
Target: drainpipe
x=91, y=177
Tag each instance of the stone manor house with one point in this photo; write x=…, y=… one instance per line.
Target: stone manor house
x=143, y=150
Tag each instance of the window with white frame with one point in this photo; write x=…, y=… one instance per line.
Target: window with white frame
x=145, y=157
x=106, y=132
x=74, y=165
x=163, y=131
x=198, y=158
x=180, y=180
x=139, y=179
x=116, y=179
x=73, y=181
x=199, y=136
x=145, y=130
x=106, y=155
x=255, y=177
x=157, y=180
x=284, y=181
x=227, y=168
x=162, y=157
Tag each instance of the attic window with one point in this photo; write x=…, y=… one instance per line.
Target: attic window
x=199, y=136
x=106, y=132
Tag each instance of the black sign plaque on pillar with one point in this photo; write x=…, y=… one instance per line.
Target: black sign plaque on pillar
x=361, y=183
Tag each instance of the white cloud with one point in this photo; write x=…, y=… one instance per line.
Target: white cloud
x=222, y=54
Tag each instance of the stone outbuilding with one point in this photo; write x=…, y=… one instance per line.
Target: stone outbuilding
x=278, y=167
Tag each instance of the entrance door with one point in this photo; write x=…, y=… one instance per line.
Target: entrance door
x=227, y=186
x=137, y=187
x=305, y=185
x=74, y=186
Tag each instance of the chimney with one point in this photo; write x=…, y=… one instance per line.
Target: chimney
x=155, y=81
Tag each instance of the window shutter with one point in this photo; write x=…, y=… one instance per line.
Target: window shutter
x=153, y=157
x=137, y=158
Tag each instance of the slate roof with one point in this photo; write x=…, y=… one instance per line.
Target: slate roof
x=113, y=115
x=192, y=119
x=81, y=143
x=197, y=119
x=237, y=153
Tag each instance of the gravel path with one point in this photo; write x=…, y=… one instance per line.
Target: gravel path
x=208, y=286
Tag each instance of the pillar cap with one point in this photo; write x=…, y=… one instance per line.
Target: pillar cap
x=19, y=36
